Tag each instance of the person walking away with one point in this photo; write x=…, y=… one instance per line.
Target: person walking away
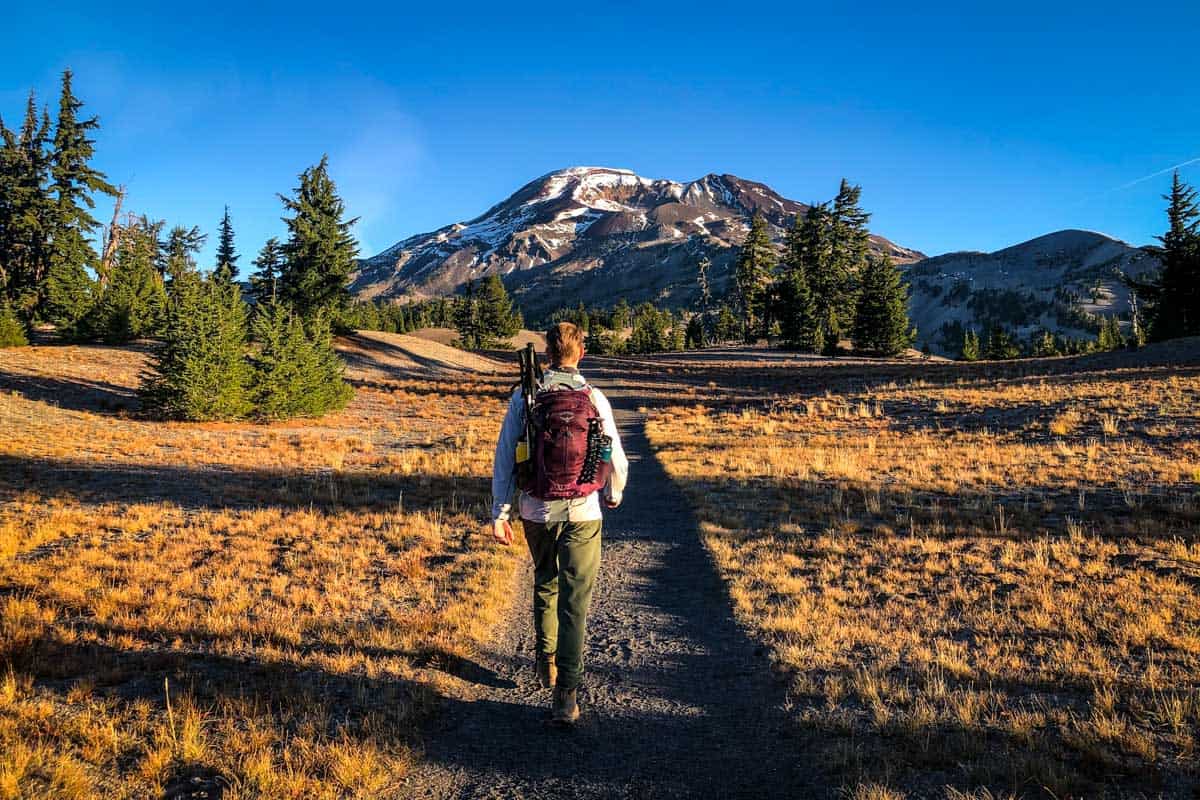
x=564, y=477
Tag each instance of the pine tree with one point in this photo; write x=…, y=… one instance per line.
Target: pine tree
x=1001, y=345
x=73, y=182
x=26, y=210
x=201, y=372
x=881, y=322
x=1045, y=345
x=1175, y=293
x=466, y=318
x=296, y=370
x=970, y=347
x=133, y=304
x=752, y=275
x=800, y=326
x=727, y=327
x=848, y=242
x=264, y=281
x=694, y=335
x=226, y=269
x=497, y=318
x=12, y=330
x=320, y=251
x=622, y=315
x=177, y=253
x=1109, y=337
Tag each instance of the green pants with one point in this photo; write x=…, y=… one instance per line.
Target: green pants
x=566, y=556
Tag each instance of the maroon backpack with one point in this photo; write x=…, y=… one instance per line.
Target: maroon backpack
x=566, y=446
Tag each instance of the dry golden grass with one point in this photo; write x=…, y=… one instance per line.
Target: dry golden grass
x=262, y=610
x=978, y=587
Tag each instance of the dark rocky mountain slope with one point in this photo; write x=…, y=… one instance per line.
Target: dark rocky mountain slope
x=591, y=235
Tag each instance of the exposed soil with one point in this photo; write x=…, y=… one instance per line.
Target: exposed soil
x=677, y=702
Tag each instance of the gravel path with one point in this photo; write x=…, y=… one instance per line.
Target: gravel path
x=677, y=701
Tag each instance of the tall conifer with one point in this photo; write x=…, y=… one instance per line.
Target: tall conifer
x=74, y=182
x=1174, y=294
x=798, y=311
x=752, y=276
x=264, y=281
x=320, y=251
x=881, y=323
x=226, y=269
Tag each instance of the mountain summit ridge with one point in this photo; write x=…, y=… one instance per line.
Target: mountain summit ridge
x=591, y=235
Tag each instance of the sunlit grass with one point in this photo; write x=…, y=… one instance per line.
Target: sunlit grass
x=973, y=585
x=264, y=609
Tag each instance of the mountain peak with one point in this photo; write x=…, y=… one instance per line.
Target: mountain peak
x=590, y=234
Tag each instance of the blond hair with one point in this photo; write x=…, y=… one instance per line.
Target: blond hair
x=564, y=343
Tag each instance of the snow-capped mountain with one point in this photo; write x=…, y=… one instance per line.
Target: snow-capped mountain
x=591, y=235
x=1056, y=282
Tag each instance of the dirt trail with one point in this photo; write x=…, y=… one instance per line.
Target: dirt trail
x=678, y=702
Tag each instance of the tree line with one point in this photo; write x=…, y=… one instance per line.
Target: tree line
x=825, y=286
x=218, y=354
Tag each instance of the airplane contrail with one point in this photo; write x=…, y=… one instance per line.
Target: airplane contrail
x=1136, y=181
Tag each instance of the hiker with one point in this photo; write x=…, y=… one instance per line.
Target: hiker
x=564, y=470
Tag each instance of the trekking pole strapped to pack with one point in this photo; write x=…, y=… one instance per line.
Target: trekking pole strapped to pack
x=531, y=377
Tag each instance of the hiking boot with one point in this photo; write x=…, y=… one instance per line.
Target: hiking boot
x=566, y=709
x=547, y=672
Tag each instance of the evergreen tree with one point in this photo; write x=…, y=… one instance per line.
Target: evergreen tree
x=201, y=372
x=320, y=251
x=694, y=335
x=1174, y=295
x=70, y=299
x=264, y=281
x=970, y=347
x=177, y=253
x=26, y=210
x=226, y=269
x=1001, y=345
x=498, y=319
x=800, y=326
x=881, y=322
x=133, y=305
x=1109, y=337
x=73, y=182
x=848, y=242
x=12, y=330
x=753, y=271
x=296, y=370
x=1045, y=345
x=622, y=315
x=727, y=327
x=466, y=318
x=651, y=331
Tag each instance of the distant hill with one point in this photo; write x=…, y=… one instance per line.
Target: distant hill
x=1056, y=281
x=591, y=235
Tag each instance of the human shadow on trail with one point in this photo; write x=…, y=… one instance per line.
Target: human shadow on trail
x=699, y=712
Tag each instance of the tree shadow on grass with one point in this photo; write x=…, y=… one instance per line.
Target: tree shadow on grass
x=232, y=487
x=76, y=394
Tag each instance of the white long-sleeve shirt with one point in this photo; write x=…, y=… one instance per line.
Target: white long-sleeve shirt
x=504, y=480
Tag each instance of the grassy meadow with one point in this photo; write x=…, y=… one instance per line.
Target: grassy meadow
x=979, y=581
x=238, y=609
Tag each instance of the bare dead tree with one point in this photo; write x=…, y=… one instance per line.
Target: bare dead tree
x=111, y=239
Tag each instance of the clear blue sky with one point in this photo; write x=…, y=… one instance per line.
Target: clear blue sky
x=968, y=128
